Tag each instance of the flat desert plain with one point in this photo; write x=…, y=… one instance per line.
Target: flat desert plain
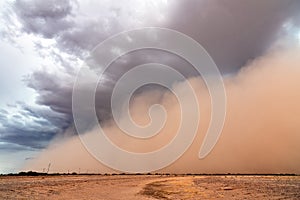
x=149, y=187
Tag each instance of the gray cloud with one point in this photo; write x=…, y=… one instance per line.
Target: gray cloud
x=232, y=31
x=47, y=18
x=12, y=147
x=31, y=127
x=54, y=91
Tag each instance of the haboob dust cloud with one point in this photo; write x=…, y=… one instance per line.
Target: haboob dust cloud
x=261, y=133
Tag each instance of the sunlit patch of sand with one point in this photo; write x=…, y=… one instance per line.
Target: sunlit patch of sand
x=225, y=187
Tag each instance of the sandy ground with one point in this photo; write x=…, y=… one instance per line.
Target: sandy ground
x=150, y=187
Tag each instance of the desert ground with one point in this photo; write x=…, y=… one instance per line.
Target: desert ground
x=149, y=187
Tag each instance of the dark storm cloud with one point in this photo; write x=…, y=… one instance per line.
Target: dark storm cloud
x=44, y=116
x=33, y=139
x=54, y=90
x=12, y=147
x=32, y=127
x=232, y=31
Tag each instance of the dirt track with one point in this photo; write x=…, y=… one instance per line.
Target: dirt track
x=150, y=187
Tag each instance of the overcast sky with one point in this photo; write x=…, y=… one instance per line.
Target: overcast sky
x=43, y=44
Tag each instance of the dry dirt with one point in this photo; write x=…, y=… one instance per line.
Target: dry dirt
x=150, y=187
